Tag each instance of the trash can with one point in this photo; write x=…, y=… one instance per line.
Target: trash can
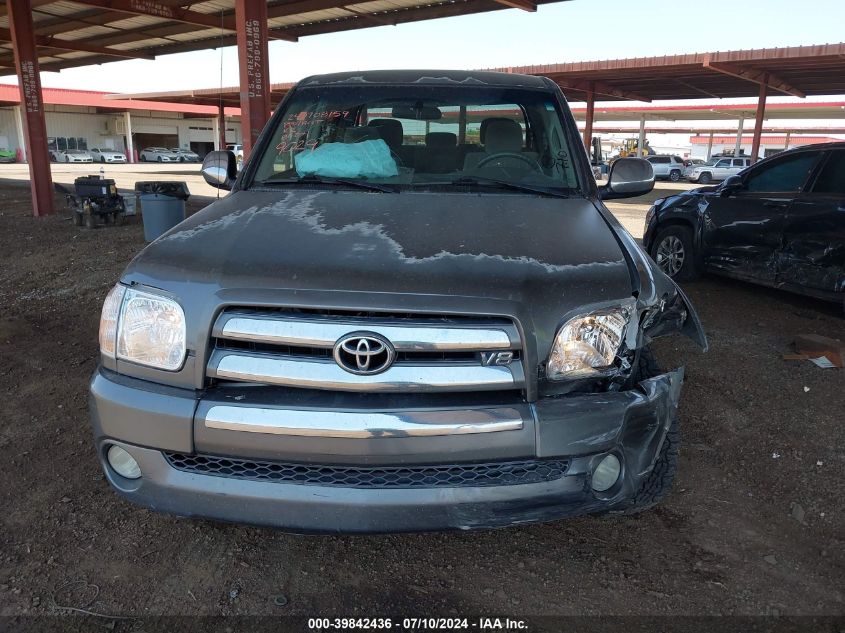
x=162, y=205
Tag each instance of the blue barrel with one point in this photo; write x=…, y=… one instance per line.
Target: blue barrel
x=160, y=213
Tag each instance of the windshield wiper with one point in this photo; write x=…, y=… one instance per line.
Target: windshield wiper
x=361, y=184
x=507, y=184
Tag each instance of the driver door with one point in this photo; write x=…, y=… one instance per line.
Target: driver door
x=743, y=226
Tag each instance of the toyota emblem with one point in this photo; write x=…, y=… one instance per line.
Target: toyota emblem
x=364, y=353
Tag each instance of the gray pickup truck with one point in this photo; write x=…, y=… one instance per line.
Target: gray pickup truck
x=412, y=312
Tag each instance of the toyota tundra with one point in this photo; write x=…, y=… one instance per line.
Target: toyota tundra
x=411, y=312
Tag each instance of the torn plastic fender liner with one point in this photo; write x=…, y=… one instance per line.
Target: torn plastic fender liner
x=662, y=311
x=676, y=315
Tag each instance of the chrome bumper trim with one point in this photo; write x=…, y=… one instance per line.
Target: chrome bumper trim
x=361, y=425
x=311, y=374
x=324, y=333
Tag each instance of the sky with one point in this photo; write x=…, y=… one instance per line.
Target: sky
x=577, y=30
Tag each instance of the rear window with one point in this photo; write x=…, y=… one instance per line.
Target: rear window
x=782, y=175
x=832, y=177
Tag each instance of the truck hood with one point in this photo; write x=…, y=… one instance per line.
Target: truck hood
x=516, y=248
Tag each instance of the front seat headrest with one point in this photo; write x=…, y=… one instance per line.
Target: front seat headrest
x=441, y=139
x=501, y=135
x=390, y=130
x=358, y=134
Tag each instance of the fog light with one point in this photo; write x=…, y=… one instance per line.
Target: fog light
x=123, y=463
x=606, y=473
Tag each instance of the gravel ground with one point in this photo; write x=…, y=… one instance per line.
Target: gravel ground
x=753, y=525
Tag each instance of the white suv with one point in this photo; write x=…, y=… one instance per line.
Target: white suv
x=718, y=169
x=238, y=150
x=669, y=167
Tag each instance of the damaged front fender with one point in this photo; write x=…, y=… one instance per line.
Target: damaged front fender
x=674, y=315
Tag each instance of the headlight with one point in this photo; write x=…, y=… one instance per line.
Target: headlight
x=143, y=328
x=587, y=345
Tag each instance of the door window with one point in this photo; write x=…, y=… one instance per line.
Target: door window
x=724, y=163
x=738, y=162
x=783, y=175
x=832, y=178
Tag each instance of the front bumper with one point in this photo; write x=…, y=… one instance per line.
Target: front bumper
x=150, y=421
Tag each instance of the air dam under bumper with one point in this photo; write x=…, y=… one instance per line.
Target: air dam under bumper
x=578, y=428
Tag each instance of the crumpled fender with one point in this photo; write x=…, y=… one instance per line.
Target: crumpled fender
x=663, y=307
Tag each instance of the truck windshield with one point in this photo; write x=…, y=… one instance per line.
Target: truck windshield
x=418, y=136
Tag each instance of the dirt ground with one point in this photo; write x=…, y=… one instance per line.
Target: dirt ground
x=753, y=525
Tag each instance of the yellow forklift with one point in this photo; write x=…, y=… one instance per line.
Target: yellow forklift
x=630, y=148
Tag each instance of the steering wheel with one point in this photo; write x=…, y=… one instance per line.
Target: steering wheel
x=512, y=156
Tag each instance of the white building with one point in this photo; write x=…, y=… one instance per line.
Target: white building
x=81, y=119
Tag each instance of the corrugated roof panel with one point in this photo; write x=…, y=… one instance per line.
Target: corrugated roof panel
x=57, y=8
x=387, y=5
x=195, y=35
x=137, y=22
x=312, y=16
x=91, y=31
x=214, y=6
x=74, y=55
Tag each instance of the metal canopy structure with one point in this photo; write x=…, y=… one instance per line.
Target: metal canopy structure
x=229, y=96
x=85, y=32
x=38, y=35
x=798, y=71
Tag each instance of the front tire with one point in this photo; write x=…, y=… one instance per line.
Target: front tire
x=674, y=175
x=674, y=253
x=706, y=178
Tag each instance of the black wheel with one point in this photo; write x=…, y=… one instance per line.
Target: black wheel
x=160, y=159
x=659, y=481
x=118, y=218
x=705, y=178
x=674, y=253
x=102, y=159
x=674, y=175
x=143, y=158
x=90, y=221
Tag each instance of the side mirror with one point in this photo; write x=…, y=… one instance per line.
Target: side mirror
x=731, y=185
x=220, y=169
x=628, y=178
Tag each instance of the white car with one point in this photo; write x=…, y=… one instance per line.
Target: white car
x=185, y=155
x=74, y=156
x=106, y=155
x=717, y=169
x=159, y=155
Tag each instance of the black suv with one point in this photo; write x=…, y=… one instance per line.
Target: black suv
x=412, y=312
x=780, y=222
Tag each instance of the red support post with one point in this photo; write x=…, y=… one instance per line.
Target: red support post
x=251, y=25
x=758, y=121
x=221, y=125
x=32, y=104
x=588, y=124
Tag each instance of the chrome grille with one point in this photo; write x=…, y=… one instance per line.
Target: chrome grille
x=432, y=353
x=379, y=477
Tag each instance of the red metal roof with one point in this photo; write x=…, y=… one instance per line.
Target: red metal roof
x=766, y=140
x=10, y=94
